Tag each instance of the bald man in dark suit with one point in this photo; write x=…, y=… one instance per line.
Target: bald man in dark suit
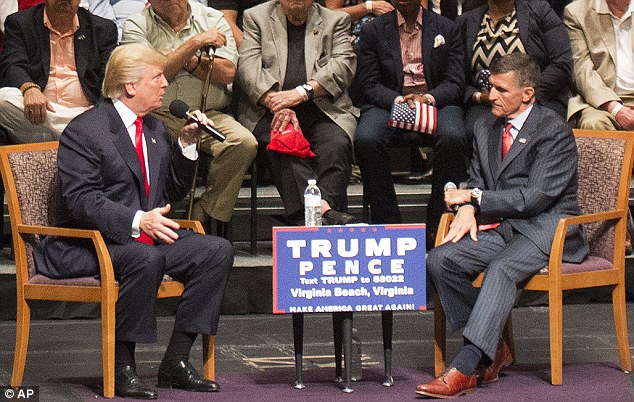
x=522, y=180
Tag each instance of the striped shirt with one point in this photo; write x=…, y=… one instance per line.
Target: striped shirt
x=412, y=55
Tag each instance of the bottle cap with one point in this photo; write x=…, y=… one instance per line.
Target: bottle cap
x=312, y=181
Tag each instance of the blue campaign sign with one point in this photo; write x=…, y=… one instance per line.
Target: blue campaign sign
x=348, y=268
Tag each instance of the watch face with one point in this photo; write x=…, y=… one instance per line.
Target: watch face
x=475, y=195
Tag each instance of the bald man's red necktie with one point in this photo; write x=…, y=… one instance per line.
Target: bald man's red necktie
x=138, y=144
x=507, y=139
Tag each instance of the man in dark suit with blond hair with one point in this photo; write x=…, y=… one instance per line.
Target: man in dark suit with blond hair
x=522, y=180
x=119, y=171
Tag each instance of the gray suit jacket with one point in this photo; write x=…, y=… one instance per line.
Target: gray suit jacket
x=594, y=55
x=330, y=61
x=536, y=183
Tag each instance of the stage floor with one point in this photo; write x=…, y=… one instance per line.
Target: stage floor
x=254, y=356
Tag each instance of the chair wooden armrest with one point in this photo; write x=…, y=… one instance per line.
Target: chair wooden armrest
x=443, y=226
x=106, y=271
x=557, y=248
x=196, y=226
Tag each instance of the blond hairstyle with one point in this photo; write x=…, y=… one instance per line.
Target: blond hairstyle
x=127, y=64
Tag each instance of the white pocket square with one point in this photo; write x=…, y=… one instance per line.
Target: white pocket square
x=439, y=40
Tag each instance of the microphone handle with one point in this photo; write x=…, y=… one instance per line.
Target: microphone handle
x=206, y=128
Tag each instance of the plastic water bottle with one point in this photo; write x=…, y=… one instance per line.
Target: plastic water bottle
x=356, y=372
x=312, y=204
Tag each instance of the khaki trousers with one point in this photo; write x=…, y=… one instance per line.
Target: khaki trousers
x=20, y=129
x=230, y=160
x=596, y=119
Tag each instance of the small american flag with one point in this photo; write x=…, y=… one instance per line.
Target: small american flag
x=421, y=118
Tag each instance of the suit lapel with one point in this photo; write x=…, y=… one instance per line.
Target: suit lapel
x=472, y=28
x=125, y=147
x=427, y=44
x=81, y=41
x=45, y=36
x=312, y=40
x=602, y=24
x=495, y=147
x=522, y=23
x=153, y=157
x=278, y=27
x=393, y=42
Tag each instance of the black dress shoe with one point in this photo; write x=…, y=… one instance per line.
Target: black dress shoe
x=183, y=375
x=128, y=384
x=332, y=217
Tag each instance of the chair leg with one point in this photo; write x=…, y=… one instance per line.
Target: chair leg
x=107, y=346
x=1, y=215
x=555, y=310
x=22, y=329
x=440, y=337
x=620, y=326
x=209, y=358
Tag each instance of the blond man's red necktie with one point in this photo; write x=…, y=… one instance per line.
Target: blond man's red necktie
x=138, y=144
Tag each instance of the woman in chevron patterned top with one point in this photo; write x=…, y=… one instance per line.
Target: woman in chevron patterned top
x=507, y=26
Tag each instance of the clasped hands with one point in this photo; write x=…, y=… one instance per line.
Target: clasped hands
x=212, y=37
x=411, y=99
x=277, y=101
x=280, y=104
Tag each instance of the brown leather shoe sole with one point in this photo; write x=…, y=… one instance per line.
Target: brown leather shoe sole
x=441, y=396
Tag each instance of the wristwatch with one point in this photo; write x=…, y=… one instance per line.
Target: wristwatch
x=476, y=196
x=309, y=90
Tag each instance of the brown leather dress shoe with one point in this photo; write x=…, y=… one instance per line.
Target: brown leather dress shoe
x=450, y=384
x=503, y=358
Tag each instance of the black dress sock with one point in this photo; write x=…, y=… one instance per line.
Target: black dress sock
x=179, y=347
x=468, y=358
x=124, y=354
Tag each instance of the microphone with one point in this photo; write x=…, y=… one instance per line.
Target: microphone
x=180, y=109
x=450, y=185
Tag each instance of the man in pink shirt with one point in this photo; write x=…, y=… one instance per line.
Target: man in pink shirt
x=51, y=68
